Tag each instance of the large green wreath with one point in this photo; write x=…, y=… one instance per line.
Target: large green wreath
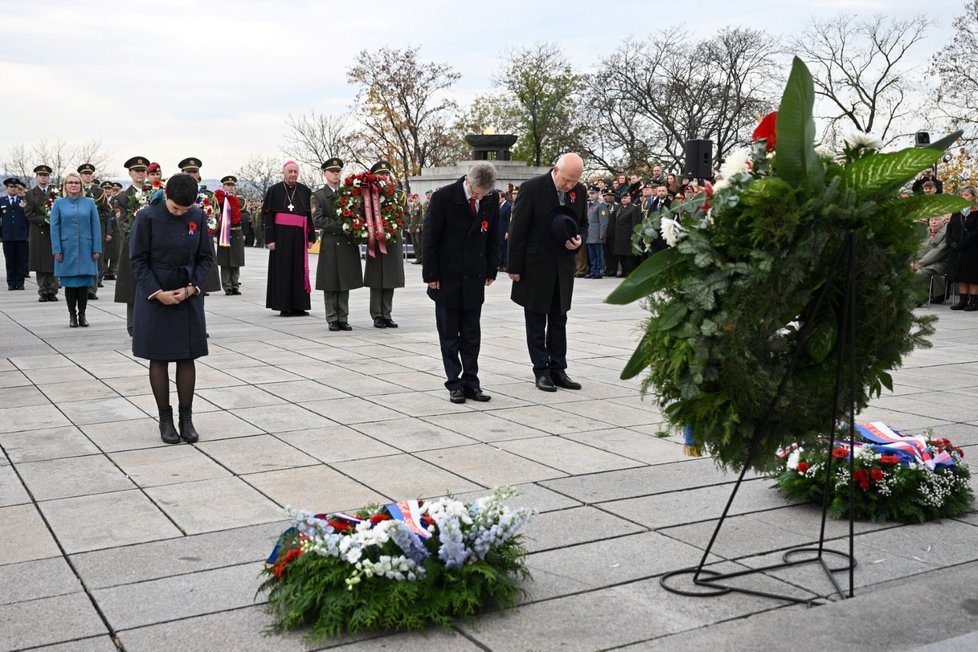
x=734, y=297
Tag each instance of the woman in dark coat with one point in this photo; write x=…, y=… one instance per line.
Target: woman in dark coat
x=962, y=238
x=170, y=254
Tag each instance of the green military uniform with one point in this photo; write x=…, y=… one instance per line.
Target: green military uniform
x=191, y=166
x=96, y=192
x=125, y=284
x=232, y=258
x=40, y=259
x=415, y=223
x=338, y=270
x=384, y=272
x=610, y=259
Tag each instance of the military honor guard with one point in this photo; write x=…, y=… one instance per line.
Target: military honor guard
x=97, y=194
x=384, y=272
x=205, y=198
x=287, y=224
x=14, y=231
x=39, y=200
x=415, y=215
x=126, y=205
x=338, y=270
x=230, y=238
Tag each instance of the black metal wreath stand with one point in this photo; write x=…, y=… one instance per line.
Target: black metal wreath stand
x=715, y=583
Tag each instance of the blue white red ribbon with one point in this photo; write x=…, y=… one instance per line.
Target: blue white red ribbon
x=409, y=511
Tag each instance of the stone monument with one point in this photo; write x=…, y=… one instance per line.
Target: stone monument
x=491, y=147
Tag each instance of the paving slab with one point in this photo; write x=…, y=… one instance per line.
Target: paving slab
x=209, y=505
x=76, y=619
x=24, y=536
x=73, y=476
x=46, y=444
x=414, y=478
x=150, y=467
x=12, y=491
x=316, y=488
x=336, y=443
x=31, y=417
x=255, y=454
x=31, y=580
x=489, y=466
x=412, y=435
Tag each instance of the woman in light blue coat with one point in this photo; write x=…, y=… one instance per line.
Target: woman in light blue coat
x=76, y=242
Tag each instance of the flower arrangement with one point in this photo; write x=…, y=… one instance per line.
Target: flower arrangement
x=137, y=200
x=53, y=193
x=204, y=203
x=904, y=479
x=741, y=344
x=370, y=209
x=402, y=566
x=234, y=202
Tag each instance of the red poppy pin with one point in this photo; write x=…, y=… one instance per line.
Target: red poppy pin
x=573, y=196
x=485, y=226
x=192, y=228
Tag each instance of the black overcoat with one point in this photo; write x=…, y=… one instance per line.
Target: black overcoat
x=461, y=249
x=541, y=267
x=166, y=253
x=625, y=221
x=339, y=267
x=962, y=236
x=39, y=257
x=125, y=284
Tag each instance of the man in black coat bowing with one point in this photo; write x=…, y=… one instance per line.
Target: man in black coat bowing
x=461, y=247
x=542, y=268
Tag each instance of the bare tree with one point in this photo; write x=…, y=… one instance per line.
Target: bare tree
x=315, y=137
x=956, y=68
x=92, y=152
x=404, y=112
x=257, y=175
x=649, y=97
x=860, y=71
x=59, y=155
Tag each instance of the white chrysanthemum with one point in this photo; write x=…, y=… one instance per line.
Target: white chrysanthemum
x=736, y=162
x=793, y=459
x=862, y=139
x=722, y=184
x=825, y=152
x=671, y=231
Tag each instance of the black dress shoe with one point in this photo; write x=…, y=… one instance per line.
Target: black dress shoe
x=344, y=326
x=477, y=395
x=236, y=291
x=52, y=297
x=546, y=384
x=380, y=323
x=100, y=284
x=299, y=313
x=560, y=379
x=108, y=277
x=456, y=396
x=334, y=326
x=228, y=293
x=93, y=297
x=44, y=300
x=390, y=323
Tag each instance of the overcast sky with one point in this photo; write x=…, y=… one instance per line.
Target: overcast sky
x=217, y=79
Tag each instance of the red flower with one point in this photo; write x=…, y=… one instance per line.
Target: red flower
x=399, y=223
x=390, y=189
x=53, y=195
x=802, y=467
x=860, y=475
x=192, y=227
x=841, y=453
x=159, y=184
x=961, y=452
x=427, y=519
x=889, y=459
x=206, y=202
x=356, y=192
x=573, y=196
x=343, y=201
x=290, y=556
x=708, y=188
x=346, y=212
x=767, y=130
x=377, y=518
x=485, y=225
x=877, y=475
x=340, y=526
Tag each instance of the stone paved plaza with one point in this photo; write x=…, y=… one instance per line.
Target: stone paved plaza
x=110, y=539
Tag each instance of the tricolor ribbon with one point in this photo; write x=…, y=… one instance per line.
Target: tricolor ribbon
x=225, y=238
x=375, y=223
x=409, y=511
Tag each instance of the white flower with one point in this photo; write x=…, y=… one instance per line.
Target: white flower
x=671, y=231
x=824, y=152
x=861, y=139
x=736, y=162
x=722, y=184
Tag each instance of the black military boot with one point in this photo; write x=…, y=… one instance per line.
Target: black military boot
x=187, y=431
x=168, y=433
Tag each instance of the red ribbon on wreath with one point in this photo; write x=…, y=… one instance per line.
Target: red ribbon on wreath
x=375, y=223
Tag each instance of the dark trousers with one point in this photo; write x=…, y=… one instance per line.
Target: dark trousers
x=628, y=264
x=610, y=259
x=595, y=256
x=460, y=336
x=503, y=249
x=47, y=284
x=15, y=257
x=546, y=337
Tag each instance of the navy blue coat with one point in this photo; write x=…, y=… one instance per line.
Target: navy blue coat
x=14, y=225
x=166, y=253
x=458, y=252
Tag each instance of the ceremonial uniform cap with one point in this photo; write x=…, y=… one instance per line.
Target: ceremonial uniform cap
x=593, y=189
x=608, y=191
x=105, y=185
x=117, y=185
x=86, y=167
x=381, y=167
x=42, y=169
x=230, y=179
x=153, y=167
x=189, y=164
x=334, y=164
x=21, y=184
x=12, y=181
x=136, y=163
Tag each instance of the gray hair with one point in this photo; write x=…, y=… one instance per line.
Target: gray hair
x=482, y=176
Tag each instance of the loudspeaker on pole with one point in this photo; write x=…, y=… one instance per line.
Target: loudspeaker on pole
x=699, y=159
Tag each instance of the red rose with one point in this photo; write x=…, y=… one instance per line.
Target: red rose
x=159, y=184
x=399, y=223
x=961, y=452
x=206, y=202
x=877, y=475
x=427, y=519
x=889, y=459
x=340, y=526
x=573, y=196
x=767, y=130
x=860, y=475
x=864, y=485
x=346, y=212
x=388, y=208
x=343, y=202
x=390, y=189
x=802, y=467
x=356, y=192
x=841, y=453
x=377, y=518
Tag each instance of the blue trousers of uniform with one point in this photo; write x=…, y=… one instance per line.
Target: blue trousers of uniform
x=15, y=257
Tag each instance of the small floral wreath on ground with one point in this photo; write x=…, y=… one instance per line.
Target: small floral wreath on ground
x=380, y=194
x=921, y=479
x=738, y=293
x=406, y=565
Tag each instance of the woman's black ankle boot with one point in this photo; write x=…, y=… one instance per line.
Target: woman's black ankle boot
x=187, y=431
x=168, y=433
x=963, y=301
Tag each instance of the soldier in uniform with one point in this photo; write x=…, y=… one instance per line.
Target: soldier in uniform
x=415, y=218
x=125, y=285
x=40, y=258
x=14, y=230
x=191, y=166
x=610, y=259
x=384, y=272
x=93, y=190
x=338, y=270
x=231, y=258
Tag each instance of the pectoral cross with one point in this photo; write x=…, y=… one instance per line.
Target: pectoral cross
x=291, y=207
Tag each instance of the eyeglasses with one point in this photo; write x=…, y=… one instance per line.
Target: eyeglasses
x=72, y=183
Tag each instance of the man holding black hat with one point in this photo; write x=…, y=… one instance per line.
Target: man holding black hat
x=14, y=231
x=126, y=204
x=384, y=272
x=93, y=190
x=38, y=210
x=230, y=239
x=338, y=270
x=542, y=242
